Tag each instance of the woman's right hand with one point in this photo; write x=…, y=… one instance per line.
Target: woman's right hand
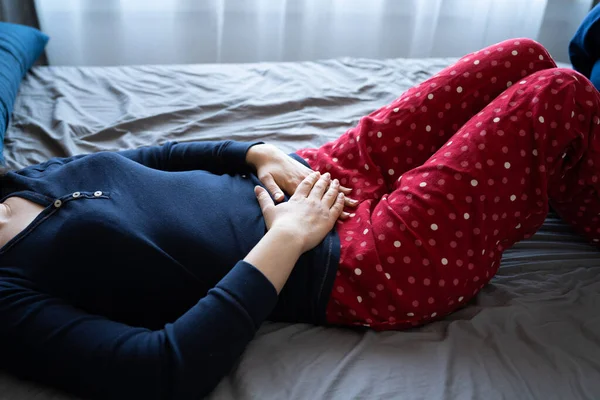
x=309, y=214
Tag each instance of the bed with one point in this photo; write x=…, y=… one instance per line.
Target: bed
x=533, y=333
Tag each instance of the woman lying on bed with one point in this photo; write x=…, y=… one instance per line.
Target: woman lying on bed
x=145, y=273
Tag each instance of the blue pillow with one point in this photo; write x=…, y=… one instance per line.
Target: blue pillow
x=20, y=46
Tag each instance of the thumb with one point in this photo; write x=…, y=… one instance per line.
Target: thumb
x=272, y=187
x=264, y=200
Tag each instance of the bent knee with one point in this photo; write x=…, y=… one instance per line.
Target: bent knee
x=531, y=46
x=565, y=76
x=527, y=48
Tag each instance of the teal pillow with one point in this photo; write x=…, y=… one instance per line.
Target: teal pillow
x=20, y=46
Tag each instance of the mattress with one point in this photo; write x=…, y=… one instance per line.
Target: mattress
x=533, y=333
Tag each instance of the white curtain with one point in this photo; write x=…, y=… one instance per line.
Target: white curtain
x=174, y=31
x=313, y=29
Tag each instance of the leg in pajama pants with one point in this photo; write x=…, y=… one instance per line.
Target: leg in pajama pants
x=452, y=173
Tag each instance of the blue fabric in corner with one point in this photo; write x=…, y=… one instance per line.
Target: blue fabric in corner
x=584, y=49
x=20, y=46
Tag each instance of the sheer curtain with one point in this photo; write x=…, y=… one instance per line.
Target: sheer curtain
x=312, y=29
x=92, y=32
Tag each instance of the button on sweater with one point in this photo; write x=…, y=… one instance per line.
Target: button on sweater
x=130, y=283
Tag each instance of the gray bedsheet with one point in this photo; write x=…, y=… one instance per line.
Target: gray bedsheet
x=533, y=333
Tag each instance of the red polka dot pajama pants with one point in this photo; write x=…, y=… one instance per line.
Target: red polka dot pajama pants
x=452, y=173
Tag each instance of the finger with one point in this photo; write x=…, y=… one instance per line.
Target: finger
x=350, y=202
x=292, y=184
x=307, y=184
x=300, y=173
x=331, y=195
x=345, y=190
x=272, y=187
x=264, y=200
x=344, y=216
x=338, y=207
x=320, y=187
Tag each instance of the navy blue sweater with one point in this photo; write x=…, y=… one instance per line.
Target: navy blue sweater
x=130, y=283
x=584, y=48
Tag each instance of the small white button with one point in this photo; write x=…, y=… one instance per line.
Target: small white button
x=98, y=193
x=76, y=194
x=57, y=203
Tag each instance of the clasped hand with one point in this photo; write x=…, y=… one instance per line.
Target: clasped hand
x=280, y=173
x=316, y=201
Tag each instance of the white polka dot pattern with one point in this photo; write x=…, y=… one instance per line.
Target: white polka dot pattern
x=443, y=196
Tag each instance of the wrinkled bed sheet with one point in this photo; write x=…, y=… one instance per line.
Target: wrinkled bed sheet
x=533, y=333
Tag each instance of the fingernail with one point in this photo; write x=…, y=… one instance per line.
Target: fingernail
x=340, y=195
x=353, y=201
x=336, y=182
x=278, y=196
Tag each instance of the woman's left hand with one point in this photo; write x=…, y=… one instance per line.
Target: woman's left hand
x=281, y=173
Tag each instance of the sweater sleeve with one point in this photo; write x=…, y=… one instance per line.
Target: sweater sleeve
x=44, y=339
x=221, y=157
x=584, y=48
